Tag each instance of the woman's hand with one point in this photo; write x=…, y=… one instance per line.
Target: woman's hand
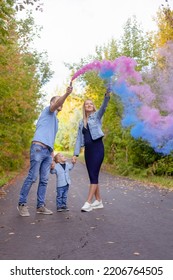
x=74, y=159
x=108, y=91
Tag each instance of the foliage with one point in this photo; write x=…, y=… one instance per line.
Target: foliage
x=23, y=4
x=164, y=22
x=135, y=43
x=6, y=19
x=22, y=73
x=68, y=123
x=162, y=167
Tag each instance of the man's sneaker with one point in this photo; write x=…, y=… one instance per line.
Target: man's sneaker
x=64, y=208
x=23, y=210
x=97, y=204
x=59, y=209
x=86, y=207
x=43, y=210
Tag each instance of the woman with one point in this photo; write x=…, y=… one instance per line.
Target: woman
x=90, y=136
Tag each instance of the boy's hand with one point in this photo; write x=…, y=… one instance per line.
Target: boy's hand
x=108, y=90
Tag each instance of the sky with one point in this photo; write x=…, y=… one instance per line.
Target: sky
x=73, y=28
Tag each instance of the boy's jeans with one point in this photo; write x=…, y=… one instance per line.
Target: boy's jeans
x=61, y=198
x=40, y=161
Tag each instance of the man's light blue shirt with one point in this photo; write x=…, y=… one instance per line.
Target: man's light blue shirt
x=46, y=128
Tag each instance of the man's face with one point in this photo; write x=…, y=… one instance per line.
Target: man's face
x=54, y=101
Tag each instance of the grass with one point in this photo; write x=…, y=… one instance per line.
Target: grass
x=164, y=182
x=158, y=181
x=6, y=177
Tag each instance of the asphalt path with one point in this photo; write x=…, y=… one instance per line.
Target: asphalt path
x=135, y=224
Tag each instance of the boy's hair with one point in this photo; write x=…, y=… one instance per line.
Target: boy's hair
x=56, y=157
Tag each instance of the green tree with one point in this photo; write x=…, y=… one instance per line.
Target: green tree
x=164, y=20
x=24, y=4
x=68, y=125
x=22, y=73
x=6, y=19
x=136, y=43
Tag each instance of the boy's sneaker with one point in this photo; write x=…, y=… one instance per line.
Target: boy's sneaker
x=86, y=207
x=43, y=210
x=64, y=208
x=59, y=209
x=97, y=204
x=23, y=210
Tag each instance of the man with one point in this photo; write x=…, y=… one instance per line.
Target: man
x=41, y=155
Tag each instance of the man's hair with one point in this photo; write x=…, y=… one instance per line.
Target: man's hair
x=52, y=98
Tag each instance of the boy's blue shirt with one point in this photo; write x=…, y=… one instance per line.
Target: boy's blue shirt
x=62, y=175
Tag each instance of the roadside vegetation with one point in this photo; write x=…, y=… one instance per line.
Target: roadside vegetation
x=24, y=71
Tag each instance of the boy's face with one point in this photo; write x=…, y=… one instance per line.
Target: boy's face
x=60, y=158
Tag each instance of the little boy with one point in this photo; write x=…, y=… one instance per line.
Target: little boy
x=61, y=168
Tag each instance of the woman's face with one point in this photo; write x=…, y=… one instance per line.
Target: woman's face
x=89, y=106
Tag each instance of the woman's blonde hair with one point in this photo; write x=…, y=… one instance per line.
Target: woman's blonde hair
x=84, y=112
x=56, y=157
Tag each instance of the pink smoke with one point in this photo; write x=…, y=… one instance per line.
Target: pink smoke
x=93, y=66
x=123, y=67
x=148, y=109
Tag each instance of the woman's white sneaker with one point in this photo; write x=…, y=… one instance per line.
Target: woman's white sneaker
x=86, y=207
x=97, y=204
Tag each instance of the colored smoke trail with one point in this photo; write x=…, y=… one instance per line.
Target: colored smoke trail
x=146, y=122
x=140, y=113
x=123, y=67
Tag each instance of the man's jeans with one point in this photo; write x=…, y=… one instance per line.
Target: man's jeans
x=61, y=198
x=40, y=161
